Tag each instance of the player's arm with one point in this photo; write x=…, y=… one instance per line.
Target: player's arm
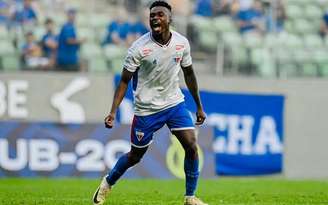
x=71, y=39
x=118, y=97
x=74, y=41
x=191, y=82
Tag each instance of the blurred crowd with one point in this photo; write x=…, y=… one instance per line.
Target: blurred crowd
x=60, y=49
x=250, y=15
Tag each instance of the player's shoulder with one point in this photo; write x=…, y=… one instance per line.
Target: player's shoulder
x=179, y=37
x=141, y=41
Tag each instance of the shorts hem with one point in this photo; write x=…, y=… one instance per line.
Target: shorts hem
x=142, y=146
x=182, y=128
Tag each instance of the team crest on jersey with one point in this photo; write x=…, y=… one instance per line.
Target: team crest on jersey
x=146, y=51
x=177, y=59
x=140, y=135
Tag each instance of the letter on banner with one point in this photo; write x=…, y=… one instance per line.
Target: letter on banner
x=113, y=148
x=267, y=137
x=16, y=100
x=3, y=104
x=43, y=155
x=240, y=134
x=17, y=163
x=219, y=122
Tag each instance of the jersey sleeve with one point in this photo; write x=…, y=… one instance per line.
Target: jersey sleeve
x=186, y=57
x=132, y=59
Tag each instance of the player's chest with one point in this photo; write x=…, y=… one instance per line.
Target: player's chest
x=157, y=56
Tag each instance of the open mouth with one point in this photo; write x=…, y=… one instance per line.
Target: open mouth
x=156, y=26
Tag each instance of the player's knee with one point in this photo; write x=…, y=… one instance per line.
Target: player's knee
x=191, y=149
x=134, y=158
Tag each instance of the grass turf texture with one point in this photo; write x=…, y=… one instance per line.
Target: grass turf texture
x=228, y=191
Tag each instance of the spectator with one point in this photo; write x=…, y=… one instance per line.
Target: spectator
x=49, y=42
x=245, y=4
x=204, y=8
x=118, y=31
x=25, y=15
x=69, y=45
x=139, y=27
x=276, y=23
x=4, y=12
x=222, y=7
x=234, y=7
x=324, y=25
x=32, y=53
x=251, y=19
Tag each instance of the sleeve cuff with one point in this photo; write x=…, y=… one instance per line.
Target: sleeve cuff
x=130, y=69
x=186, y=65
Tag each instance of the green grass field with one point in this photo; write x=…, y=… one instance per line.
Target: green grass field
x=228, y=191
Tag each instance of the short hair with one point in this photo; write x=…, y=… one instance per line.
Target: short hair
x=161, y=3
x=29, y=33
x=71, y=11
x=48, y=21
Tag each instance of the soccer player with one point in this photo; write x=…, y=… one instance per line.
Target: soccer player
x=154, y=62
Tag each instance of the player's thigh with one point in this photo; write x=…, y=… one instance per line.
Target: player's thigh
x=137, y=153
x=143, y=128
x=187, y=138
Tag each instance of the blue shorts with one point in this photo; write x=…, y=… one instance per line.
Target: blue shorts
x=143, y=127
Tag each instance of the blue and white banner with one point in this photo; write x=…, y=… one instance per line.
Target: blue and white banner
x=248, y=135
x=42, y=149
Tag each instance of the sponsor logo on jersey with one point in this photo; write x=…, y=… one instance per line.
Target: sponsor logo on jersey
x=140, y=135
x=179, y=47
x=146, y=51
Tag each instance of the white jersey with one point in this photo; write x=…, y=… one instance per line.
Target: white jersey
x=156, y=68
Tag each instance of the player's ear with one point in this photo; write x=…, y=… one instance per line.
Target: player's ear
x=170, y=18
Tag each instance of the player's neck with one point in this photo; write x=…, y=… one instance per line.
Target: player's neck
x=162, y=38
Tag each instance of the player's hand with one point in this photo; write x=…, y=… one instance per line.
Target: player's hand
x=109, y=121
x=201, y=116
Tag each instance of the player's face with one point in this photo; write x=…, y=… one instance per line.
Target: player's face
x=159, y=19
x=50, y=26
x=71, y=17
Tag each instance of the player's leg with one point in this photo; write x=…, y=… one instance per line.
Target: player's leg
x=125, y=161
x=191, y=163
x=142, y=130
x=187, y=138
x=182, y=126
x=141, y=138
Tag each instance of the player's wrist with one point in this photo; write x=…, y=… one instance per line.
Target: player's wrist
x=199, y=108
x=112, y=113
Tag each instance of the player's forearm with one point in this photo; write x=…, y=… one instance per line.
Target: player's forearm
x=121, y=90
x=118, y=96
x=192, y=85
x=73, y=41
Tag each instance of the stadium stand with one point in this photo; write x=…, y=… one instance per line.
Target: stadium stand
x=296, y=51
x=290, y=45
